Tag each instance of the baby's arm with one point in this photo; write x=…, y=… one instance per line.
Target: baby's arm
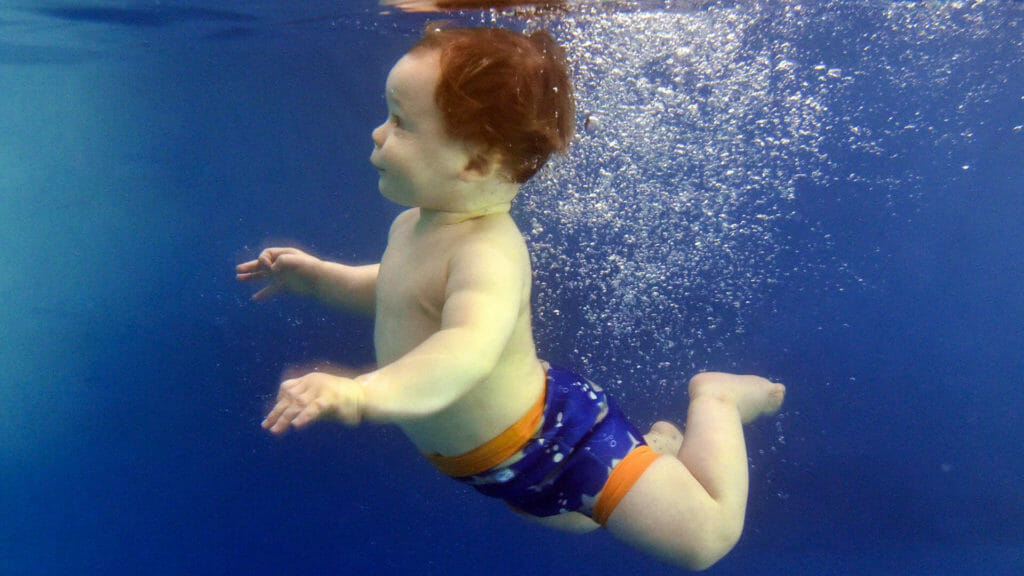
x=292, y=270
x=483, y=303
x=479, y=316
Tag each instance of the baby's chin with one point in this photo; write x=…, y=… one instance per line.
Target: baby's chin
x=390, y=194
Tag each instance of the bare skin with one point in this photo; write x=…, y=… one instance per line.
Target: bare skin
x=664, y=438
x=708, y=476
x=453, y=336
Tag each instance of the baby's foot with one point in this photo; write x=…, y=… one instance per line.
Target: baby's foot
x=754, y=396
x=664, y=438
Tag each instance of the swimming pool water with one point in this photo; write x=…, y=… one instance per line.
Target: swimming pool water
x=828, y=194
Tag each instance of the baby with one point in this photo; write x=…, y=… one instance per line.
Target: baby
x=472, y=115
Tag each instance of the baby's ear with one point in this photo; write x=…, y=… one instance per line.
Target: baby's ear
x=481, y=165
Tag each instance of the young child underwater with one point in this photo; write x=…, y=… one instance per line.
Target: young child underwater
x=472, y=115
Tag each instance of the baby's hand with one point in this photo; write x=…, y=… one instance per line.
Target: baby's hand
x=288, y=269
x=315, y=395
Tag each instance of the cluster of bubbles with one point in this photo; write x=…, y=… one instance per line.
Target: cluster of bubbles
x=658, y=232
x=659, y=236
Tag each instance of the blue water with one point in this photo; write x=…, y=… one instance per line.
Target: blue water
x=827, y=194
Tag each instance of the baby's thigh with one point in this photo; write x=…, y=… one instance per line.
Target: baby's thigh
x=667, y=513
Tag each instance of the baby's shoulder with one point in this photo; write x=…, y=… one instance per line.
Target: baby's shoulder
x=404, y=221
x=498, y=230
x=496, y=240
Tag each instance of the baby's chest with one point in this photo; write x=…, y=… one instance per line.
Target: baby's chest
x=411, y=282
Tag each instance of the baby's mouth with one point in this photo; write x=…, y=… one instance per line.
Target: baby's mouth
x=376, y=166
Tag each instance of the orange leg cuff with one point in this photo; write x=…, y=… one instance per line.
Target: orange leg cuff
x=621, y=480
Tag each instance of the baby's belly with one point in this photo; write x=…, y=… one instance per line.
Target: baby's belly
x=480, y=415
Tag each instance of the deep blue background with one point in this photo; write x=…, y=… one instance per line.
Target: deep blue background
x=144, y=152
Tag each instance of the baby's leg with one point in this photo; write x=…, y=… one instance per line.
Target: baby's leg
x=664, y=438
x=572, y=522
x=689, y=510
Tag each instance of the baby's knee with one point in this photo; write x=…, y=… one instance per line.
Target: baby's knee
x=705, y=381
x=721, y=541
x=713, y=543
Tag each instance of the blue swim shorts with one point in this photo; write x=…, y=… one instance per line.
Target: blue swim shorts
x=560, y=456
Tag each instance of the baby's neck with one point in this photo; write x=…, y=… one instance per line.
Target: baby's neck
x=470, y=200
x=446, y=218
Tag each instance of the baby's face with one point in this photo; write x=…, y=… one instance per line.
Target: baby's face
x=417, y=161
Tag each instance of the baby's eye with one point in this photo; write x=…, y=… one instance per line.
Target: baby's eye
x=396, y=120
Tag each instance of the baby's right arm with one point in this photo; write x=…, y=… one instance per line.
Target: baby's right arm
x=292, y=270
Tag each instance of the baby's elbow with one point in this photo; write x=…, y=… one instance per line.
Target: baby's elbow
x=480, y=364
x=435, y=400
x=466, y=376
x=463, y=378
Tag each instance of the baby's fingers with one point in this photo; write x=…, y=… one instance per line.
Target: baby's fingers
x=248, y=267
x=287, y=398
x=272, y=419
x=296, y=406
x=252, y=270
x=269, y=257
x=311, y=412
x=285, y=418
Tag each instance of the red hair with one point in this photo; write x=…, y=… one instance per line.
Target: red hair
x=507, y=93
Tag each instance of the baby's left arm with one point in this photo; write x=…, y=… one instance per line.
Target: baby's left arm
x=483, y=303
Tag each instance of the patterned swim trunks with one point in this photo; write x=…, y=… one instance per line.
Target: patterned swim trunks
x=573, y=452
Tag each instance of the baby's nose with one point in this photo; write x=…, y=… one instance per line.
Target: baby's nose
x=378, y=135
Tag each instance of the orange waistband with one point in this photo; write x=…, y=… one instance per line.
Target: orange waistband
x=494, y=451
x=621, y=480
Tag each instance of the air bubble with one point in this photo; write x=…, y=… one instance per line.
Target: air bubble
x=660, y=238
